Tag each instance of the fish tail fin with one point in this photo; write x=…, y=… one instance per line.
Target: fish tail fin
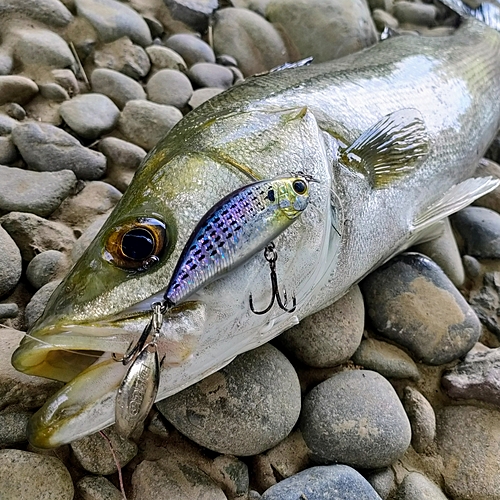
x=488, y=12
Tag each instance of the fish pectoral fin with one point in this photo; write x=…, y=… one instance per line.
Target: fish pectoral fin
x=392, y=148
x=457, y=197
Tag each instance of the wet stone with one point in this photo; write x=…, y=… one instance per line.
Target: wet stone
x=383, y=481
x=39, y=193
x=113, y=20
x=194, y=13
x=13, y=428
x=329, y=337
x=117, y=86
x=53, y=92
x=50, y=12
x=245, y=408
x=338, y=482
x=24, y=475
x=15, y=88
x=201, y=95
x=486, y=301
x=356, y=418
x=210, y=75
x=10, y=310
x=165, y=58
x=144, y=123
x=10, y=263
x=191, y=48
x=37, y=304
x=49, y=149
x=97, y=488
x=412, y=302
x=416, y=486
x=170, y=87
x=45, y=267
x=8, y=152
x=421, y=14
x=422, y=419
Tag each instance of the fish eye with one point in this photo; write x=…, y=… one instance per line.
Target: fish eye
x=300, y=187
x=136, y=244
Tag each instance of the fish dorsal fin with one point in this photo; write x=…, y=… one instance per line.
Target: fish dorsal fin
x=457, y=197
x=390, y=149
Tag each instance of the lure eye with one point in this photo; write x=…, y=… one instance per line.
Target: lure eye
x=300, y=187
x=136, y=244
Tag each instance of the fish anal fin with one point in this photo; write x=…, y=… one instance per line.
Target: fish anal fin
x=392, y=148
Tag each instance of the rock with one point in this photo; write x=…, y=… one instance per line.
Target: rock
x=117, y=86
x=90, y=115
x=412, y=302
x=144, y=123
x=250, y=39
x=210, y=75
x=386, y=359
x=123, y=160
x=25, y=475
x=194, y=13
x=383, y=482
x=231, y=475
x=38, y=47
x=113, y=20
x=191, y=48
x=155, y=26
x=10, y=263
x=386, y=5
x=86, y=238
x=39, y=193
x=67, y=80
x=15, y=110
x=53, y=92
x=81, y=210
x=169, y=479
x=479, y=229
x=326, y=29
x=6, y=124
x=477, y=377
x=165, y=58
x=337, y=482
x=201, y=95
x=472, y=266
x=13, y=428
x=37, y=304
x=50, y=12
x=468, y=439
x=125, y=57
x=6, y=63
x=8, y=311
x=226, y=60
x=422, y=419
x=8, y=152
x=421, y=14
x=45, y=267
x=50, y=149
x=15, y=88
x=416, y=486
x=34, y=235
x=94, y=455
x=486, y=301
x=356, y=418
x=245, y=408
x=97, y=488
x=384, y=20
x=329, y=337
x=170, y=87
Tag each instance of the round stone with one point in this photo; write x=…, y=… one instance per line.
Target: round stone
x=170, y=87
x=6, y=124
x=15, y=88
x=356, y=418
x=13, y=428
x=247, y=407
x=191, y=48
x=54, y=92
x=210, y=75
x=421, y=14
x=50, y=12
x=201, y=95
x=10, y=263
x=165, y=58
x=37, y=304
x=422, y=419
x=46, y=267
x=8, y=310
x=8, y=152
x=412, y=302
x=383, y=19
x=118, y=87
x=97, y=488
x=383, y=482
x=416, y=486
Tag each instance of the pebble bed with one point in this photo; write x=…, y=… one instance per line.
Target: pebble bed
x=391, y=393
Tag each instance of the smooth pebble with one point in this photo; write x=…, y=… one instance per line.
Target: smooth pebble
x=421, y=14
x=169, y=87
x=210, y=75
x=191, y=48
x=37, y=304
x=10, y=263
x=50, y=12
x=416, y=486
x=46, y=267
x=8, y=152
x=165, y=58
x=201, y=95
x=97, y=488
x=194, y=13
x=422, y=419
x=13, y=428
x=118, y=87
x=16, y=88
x=53, y=92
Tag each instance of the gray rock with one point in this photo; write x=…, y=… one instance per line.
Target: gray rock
x=13, y=428
x=326, y=29
x=38, y=193
x=6, y=124
x=238, y=76
x=67, y=80
x=50, y=12
x=383, y=481
x=8, y=310
x=191, y=48
x=422, y=419
x=386, y=5
x=194, y=13
x=490, y=167
x=86, y=238
x=94, y=455
x=97, y=488
x=38, y=302
x=412, y=302
x=15, y=111
x=231, y=475
x=90, y=115
x=337, y=482
x=6, y=63
x=386, y=359
x=117, y=86
x=123, y=160
x=486, y=301
x=155, y=26
x=113, y=20
x=250, y=39
x=416, y=486
x=27, y=475
x=125, y=57
x=53, y=92
x=383, y=19
x=34, y=235
x=244, y=409
x=15, y=88
x=329, y=337
x=421, y=14
x=356, y=418
x=8, y=152
x=10, y=263
x=168, y=478
x=226, y=60
x=144, y=123
x=170, y=87
x=479, y=229
x=210, y=75
x=165, y=58
x=49, y=149
x=472, y=266
x=45, y=267
x=201, y=95
x=469, y=442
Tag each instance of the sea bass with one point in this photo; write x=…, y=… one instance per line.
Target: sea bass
x=393, y=135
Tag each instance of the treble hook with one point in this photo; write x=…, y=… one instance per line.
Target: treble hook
x=271, y=256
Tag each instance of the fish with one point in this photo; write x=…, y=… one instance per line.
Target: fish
x=393, y=135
